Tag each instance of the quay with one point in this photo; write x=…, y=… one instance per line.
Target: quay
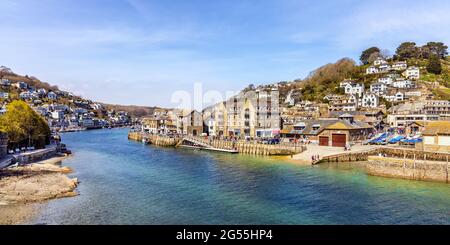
x=396, y=162
x=227, y=146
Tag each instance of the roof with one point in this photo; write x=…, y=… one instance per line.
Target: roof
x=315, y=127
x=346, y=115
x=345, y=125
x=435, y=128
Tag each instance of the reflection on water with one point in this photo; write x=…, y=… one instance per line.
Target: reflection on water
x=125, y=182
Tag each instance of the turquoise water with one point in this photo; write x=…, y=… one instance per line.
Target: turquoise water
x=126, y=182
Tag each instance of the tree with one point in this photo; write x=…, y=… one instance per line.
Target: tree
x=365, y=55
x=434, y=65
x=407, y=50
x=24, y=126
x=373, y=57
x=438, y=49
x=324, y=79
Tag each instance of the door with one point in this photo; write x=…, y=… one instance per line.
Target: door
x=339, y=140
x=323, y=140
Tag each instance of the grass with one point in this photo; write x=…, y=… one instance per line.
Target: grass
x=442, y=93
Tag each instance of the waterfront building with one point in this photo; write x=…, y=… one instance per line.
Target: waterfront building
x=251, y=114
x=192, y=122
x=159, y=125
x=335, y=132
x=402, y=120
x=436, y=136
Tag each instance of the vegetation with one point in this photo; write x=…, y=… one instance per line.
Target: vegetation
x=369, y=54
x=326, y=79
x=409, y=50
x=24, y=126
x=434, y=65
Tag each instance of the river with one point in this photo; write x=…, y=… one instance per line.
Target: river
x=126, y=182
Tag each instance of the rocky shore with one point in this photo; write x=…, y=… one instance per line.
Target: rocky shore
x=22, y=186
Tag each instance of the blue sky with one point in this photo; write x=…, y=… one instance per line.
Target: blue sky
x=140, y=52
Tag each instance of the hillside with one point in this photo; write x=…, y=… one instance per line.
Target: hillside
x=326, y=79
x=68, y=99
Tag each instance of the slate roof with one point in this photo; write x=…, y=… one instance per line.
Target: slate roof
x=437, y=128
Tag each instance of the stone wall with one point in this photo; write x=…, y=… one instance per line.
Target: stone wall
x=408, y=169
x=241, y=146
x=388, y=152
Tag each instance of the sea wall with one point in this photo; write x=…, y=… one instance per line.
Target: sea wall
x=36, y=155
x=251, y=148
x=408, y=169
x=388, y=152
x=243, y=147
x=154, y=139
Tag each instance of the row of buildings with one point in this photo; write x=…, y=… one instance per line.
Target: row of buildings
x=74, y=114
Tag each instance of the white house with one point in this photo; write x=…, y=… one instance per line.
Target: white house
x=52, y=96
x=412, y=72
x=372, y=70
x=402, y=83
x=58, y=115
x=399, y=96
x=289, y=99
x=26, y=95
x=379, y=61
x=21, y=85
x=399, y=66
x=369, y=100
x=42, y=92
x=410, y=94
x=386, y=80
x=5, y=82
x=378, y=88
x=4, y=95
x=345, y=82
x=384, y=68
x=354, y=89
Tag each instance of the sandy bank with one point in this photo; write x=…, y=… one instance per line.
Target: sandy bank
x=32, y=183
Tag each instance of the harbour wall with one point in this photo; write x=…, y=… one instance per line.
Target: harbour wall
x=408, y=169
x=243, y=147
x=388, y=152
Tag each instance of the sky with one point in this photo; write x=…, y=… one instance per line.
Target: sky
x=141, y=51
